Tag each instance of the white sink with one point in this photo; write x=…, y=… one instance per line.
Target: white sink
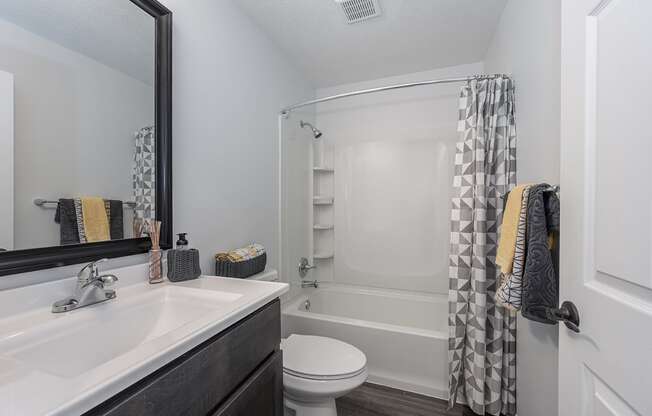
x=98, y=334
x=78, y=359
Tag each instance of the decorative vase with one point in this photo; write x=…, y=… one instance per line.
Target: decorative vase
x=155, y=266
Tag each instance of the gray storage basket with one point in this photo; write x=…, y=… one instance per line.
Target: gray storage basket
x=241, y=269
x=183, y=265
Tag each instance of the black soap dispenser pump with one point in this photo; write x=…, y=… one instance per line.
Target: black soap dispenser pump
x=182, y=243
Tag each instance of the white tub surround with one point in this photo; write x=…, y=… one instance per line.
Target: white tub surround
x=392, y=156
x=67, y=363
x=403, y=334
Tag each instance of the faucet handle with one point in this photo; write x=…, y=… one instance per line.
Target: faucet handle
x=304, y=266
x=90, y=270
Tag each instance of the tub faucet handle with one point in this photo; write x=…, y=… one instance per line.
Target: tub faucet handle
x=304, y=267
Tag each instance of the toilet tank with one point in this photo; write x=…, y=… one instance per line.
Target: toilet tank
x=269, y=275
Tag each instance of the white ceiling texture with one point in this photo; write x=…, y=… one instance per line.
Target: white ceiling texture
x=409, y=36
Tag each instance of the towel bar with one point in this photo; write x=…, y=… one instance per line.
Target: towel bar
x=552, y=188
x=45, y=203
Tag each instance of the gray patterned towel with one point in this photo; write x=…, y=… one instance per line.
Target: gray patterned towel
x=541, y=275
x=80, y=220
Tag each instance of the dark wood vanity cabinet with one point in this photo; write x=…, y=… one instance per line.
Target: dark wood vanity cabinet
x=238, y=372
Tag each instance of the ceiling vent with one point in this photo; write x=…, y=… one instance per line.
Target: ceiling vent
x=356, y=11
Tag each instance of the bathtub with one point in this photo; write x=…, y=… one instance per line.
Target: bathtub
x=403, y=334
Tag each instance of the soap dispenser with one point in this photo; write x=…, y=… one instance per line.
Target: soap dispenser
x=182, y=243
x=183, y=262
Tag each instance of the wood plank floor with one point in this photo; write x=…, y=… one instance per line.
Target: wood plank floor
x=374, y=400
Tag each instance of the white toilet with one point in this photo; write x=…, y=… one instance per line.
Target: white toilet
x=317, y=370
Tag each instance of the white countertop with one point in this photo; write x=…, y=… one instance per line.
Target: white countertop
x=122, y=342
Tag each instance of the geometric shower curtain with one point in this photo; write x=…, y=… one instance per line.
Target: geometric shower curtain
x=144, y=174
x=482, y=335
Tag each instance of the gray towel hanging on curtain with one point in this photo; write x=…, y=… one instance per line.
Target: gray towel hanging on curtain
x=541, y=276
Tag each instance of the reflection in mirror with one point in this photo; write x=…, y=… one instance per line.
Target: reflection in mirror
x=77, y=142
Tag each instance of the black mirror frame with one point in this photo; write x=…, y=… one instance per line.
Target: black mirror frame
x=20, y=261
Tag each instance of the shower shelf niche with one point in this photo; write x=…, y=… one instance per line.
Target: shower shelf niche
x=322, y=221
x=323, y=227
x=323, y=200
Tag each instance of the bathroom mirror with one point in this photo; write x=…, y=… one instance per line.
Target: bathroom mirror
x=85, y=130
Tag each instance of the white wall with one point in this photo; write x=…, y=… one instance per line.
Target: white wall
x=527, y=45
x=393, y=154
x=74, y=125
x=229, y=83
x=6, y=160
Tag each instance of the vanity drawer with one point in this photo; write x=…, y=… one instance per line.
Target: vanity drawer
x=261, y=394
x=200, y=380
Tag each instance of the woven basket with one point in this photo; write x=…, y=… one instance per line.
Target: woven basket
x=241, y=269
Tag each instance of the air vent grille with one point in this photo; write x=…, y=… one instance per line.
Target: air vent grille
x=359, y=10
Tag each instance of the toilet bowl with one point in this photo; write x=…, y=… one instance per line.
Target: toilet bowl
x=316, y=371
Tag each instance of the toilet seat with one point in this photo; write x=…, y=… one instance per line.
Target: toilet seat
x=320, y=358
x=323, y=378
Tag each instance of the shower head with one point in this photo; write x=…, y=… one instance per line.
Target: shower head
x=315, y=132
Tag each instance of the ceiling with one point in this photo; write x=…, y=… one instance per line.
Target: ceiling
x=410, y=36
x=114, y=32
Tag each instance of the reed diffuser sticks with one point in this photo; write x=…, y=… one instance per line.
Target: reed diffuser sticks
x=138, y=227
x=155, y=255
x=154, y=230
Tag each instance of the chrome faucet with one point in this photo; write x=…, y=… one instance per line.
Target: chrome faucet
x=90, y=289
x=304, y=268
x=311, y=283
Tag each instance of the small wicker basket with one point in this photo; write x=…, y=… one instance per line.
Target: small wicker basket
x=241, y=269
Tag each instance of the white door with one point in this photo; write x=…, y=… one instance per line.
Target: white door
x=606, y=211
x=6, y=160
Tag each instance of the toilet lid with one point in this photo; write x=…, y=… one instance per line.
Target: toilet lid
x=320, y=357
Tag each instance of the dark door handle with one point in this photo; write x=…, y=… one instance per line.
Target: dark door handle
x=568, y=314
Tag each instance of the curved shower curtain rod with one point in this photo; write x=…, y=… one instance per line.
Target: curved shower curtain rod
x=287, y=110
